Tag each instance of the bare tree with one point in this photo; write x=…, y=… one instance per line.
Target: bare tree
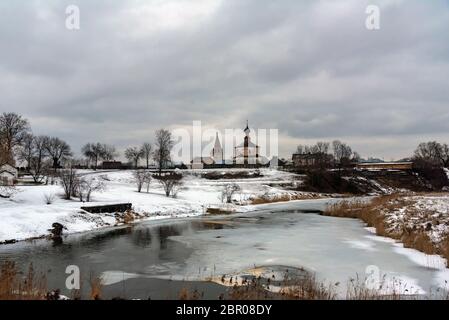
x=322, y=147
x=342, y=153
x=171, y=183
x=355, y=157
x=90, y=151
x=38, y=165
x=69, y=182
x=88, y=185
x=147, y=150
x=58, y=150
x=27, y=148
x=320, y=153
x=432, y=153
x=164, y=145
x=109, y=152
x=13, y=129
x=98, y=151
x=300, y=149
x=141, y=178
x=134, y=154
x=228, y=191
x=445, y=155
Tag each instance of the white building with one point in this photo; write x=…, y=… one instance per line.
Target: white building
x=217, y=152
x=8, y=174
x=216, y=157
x=247, y=153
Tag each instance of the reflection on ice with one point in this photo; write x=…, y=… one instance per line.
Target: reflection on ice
x=336, y=249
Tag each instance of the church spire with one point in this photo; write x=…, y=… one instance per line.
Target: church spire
x=246, y=130
x=217, y=151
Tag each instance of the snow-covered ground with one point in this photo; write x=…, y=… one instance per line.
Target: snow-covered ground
x=430, y=213
x=27, y=215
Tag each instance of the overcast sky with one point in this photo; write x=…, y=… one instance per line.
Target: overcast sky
x=309, y=68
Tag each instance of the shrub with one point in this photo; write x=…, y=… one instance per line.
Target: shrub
x=49, y=198
x=172, y=183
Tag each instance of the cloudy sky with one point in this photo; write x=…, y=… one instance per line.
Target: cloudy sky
x=308, y=68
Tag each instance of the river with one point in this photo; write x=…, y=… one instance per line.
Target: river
x=156, y=259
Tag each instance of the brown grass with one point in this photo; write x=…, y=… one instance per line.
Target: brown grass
x=186, y=294
x=373, y=214
x=445, y=250
x=96, y=288
x=419, y=241
x=29, y=286
x=17, y=286
x=283, y=198
x=218, y=211
x=357, y=290
x=308, y=288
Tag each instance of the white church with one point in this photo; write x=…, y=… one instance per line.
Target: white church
x=246, y=154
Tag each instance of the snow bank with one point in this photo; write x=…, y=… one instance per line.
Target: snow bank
x=27, y=215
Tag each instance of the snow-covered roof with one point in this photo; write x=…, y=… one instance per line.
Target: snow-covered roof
x=7, y=168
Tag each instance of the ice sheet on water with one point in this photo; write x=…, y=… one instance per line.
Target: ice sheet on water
x=336, y=249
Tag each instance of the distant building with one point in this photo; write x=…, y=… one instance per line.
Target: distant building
x=201, y=162
x=311, y=160
x=405, y=165
x=301, y=160
x=112, y=165
x=216, y=157
x=8, y=175
x=246, y=153
x=217, y=152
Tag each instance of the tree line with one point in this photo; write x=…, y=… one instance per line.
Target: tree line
x=431, y=154
x=326, y=155
x=43, y=154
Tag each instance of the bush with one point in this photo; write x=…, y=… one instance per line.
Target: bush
x=228, y=191
x=49, y=198
x=172, y=183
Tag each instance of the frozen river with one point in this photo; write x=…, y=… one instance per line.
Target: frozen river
x=156, y=259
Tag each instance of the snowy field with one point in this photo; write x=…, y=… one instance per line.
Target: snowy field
x=27, y=215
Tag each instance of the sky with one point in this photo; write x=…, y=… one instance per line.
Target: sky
x=310, y=69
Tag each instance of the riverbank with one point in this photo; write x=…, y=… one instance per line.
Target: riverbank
x=193, y=259
x=29, y=214
x=419, y=221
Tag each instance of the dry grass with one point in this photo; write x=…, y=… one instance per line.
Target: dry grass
x=17, y=286
x=357, y=290
x=375, y=214
x=420, y=241
x=218, y=211
x=283, y=198
x=186, y=294
x=29, y=286
x=445, y=250
x=308, y=288
x=96, y=287
x=367, y=211
x=289, y=288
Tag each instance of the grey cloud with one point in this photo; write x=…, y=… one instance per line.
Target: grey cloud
x=309, y=68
